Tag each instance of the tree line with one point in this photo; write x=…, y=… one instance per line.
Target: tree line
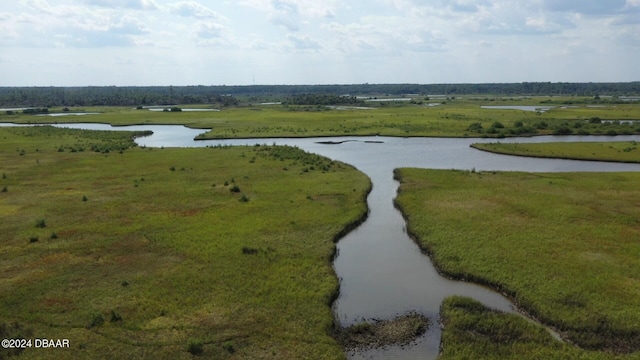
x=228, y=95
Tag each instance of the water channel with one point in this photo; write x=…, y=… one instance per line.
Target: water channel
x=382, y=271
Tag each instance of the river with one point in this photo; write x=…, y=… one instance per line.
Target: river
x=382, y=272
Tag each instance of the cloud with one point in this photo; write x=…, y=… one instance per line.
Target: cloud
x=303, y=42
x=126, y=4
x=288, y=22
x=98, y=39
x=208, y=30
x=210, y=34
x=587, y=7
x=463, y=5
x=128, y=26
x=194, y=10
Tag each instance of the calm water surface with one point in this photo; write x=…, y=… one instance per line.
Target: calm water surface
x=382, y=271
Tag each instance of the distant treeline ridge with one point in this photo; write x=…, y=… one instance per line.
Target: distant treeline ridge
x=226, y=95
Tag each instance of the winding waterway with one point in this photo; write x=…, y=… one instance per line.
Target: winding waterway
x=382, y=271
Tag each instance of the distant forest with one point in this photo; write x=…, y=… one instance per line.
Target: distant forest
x=228, y=95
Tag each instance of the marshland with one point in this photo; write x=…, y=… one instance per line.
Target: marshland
x=259, y=241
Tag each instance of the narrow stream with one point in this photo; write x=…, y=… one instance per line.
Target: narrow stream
x=382, y=271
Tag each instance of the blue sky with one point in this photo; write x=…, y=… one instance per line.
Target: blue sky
x=202, y=42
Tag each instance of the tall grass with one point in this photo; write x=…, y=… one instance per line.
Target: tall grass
x=159, y=255
x=620, y=151
x=563, y=245
x=460, y=116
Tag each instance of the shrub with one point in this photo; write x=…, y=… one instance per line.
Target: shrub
x=84, y=198
x=115, y=316
x=96, y=320
x=53, y=235
x=4, y=188
x=41, y=223
x=475, y=127
x=244, y=199
x=229, y=346
x=542, y=125
x=195, y=347
x=249, y=251
x=563, y=130
x=234, y=189
x=33, y=239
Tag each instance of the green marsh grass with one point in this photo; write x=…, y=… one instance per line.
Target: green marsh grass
x=564, y=246
x=472, y=331
x=620, y=151
x=458, y=117
x=152, y=264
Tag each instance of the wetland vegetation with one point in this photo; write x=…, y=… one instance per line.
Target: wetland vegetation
x=618, y=151
x=454, y=117
x=150, y=253
x=225, y=252
x=562, y=245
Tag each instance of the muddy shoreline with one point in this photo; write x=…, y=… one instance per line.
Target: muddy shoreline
x=378, y=334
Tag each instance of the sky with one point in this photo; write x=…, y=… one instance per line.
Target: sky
x=245, y=42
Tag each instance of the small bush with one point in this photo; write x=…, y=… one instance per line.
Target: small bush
x=96, y=320
x=5, y=189
x=33, y=239
x=235, y=189
x=195, y=347
x=542, y=125
x=475, y=127
x=244, y=199
x=53, y=235
x=229, y=346
x=84, y=198
x=115, y=317
x=249, y=251
x=41, y=223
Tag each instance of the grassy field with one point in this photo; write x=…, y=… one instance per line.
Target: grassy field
x=472, y=331
x=164, y=253
x=564, y=246
x=601, y=151
x=457, y=117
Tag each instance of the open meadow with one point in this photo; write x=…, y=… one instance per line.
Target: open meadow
x=564, y=246
x=617, y=151
x=446, y=117
x=132, y=253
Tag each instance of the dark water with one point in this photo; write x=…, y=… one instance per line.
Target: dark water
x=382, y=271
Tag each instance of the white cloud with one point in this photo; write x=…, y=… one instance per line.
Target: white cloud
x=303, y=42
x=591, y=7
x=127, y=4
x=193, y=9
x=364, y=40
